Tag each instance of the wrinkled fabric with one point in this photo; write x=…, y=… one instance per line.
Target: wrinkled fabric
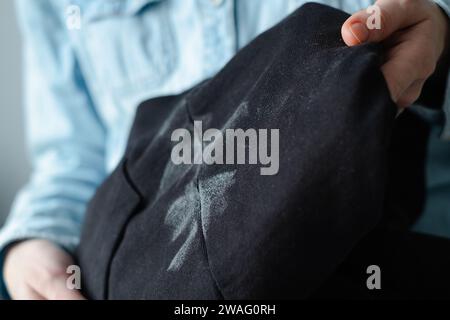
x=85, y=85
x=156, y=230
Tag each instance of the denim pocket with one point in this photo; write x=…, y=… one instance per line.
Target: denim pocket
x=129, y=44
x=102, y=9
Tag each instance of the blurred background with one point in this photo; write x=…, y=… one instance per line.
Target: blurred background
x=14, y=166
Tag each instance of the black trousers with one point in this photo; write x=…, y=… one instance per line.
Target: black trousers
x=160, y=230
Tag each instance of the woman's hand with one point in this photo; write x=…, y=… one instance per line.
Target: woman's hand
x=415, y=35
x=36, y=270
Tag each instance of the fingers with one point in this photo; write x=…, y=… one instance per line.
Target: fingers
x=36, y=270
x=414, y=33
x=411, y=94
x=386, y=17
x=407, y=67
x=54, y=287
x=50, y=278
x=26, y=293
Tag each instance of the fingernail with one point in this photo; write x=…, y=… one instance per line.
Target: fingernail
x=360, y=32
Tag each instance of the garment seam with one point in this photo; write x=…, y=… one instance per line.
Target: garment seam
x=139, y=205
x=203, y=244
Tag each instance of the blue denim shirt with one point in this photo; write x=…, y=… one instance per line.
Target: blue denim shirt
x=85, y=78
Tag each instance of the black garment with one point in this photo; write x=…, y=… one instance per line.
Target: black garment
x=155, y=230
x=413, y=266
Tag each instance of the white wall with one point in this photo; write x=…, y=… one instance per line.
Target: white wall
x=13, y=161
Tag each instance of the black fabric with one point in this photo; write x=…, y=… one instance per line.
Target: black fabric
x=156, y=230
x=405, y=192
x=413, y=266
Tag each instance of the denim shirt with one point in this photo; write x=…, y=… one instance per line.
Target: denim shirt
x=90, y=63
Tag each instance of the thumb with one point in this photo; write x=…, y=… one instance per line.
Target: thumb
x=381, y=20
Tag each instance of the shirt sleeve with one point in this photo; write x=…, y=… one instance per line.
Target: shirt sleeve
x=65, y=137
x=444, y=4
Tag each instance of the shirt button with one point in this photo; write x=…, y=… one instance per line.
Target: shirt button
x=217, y=3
